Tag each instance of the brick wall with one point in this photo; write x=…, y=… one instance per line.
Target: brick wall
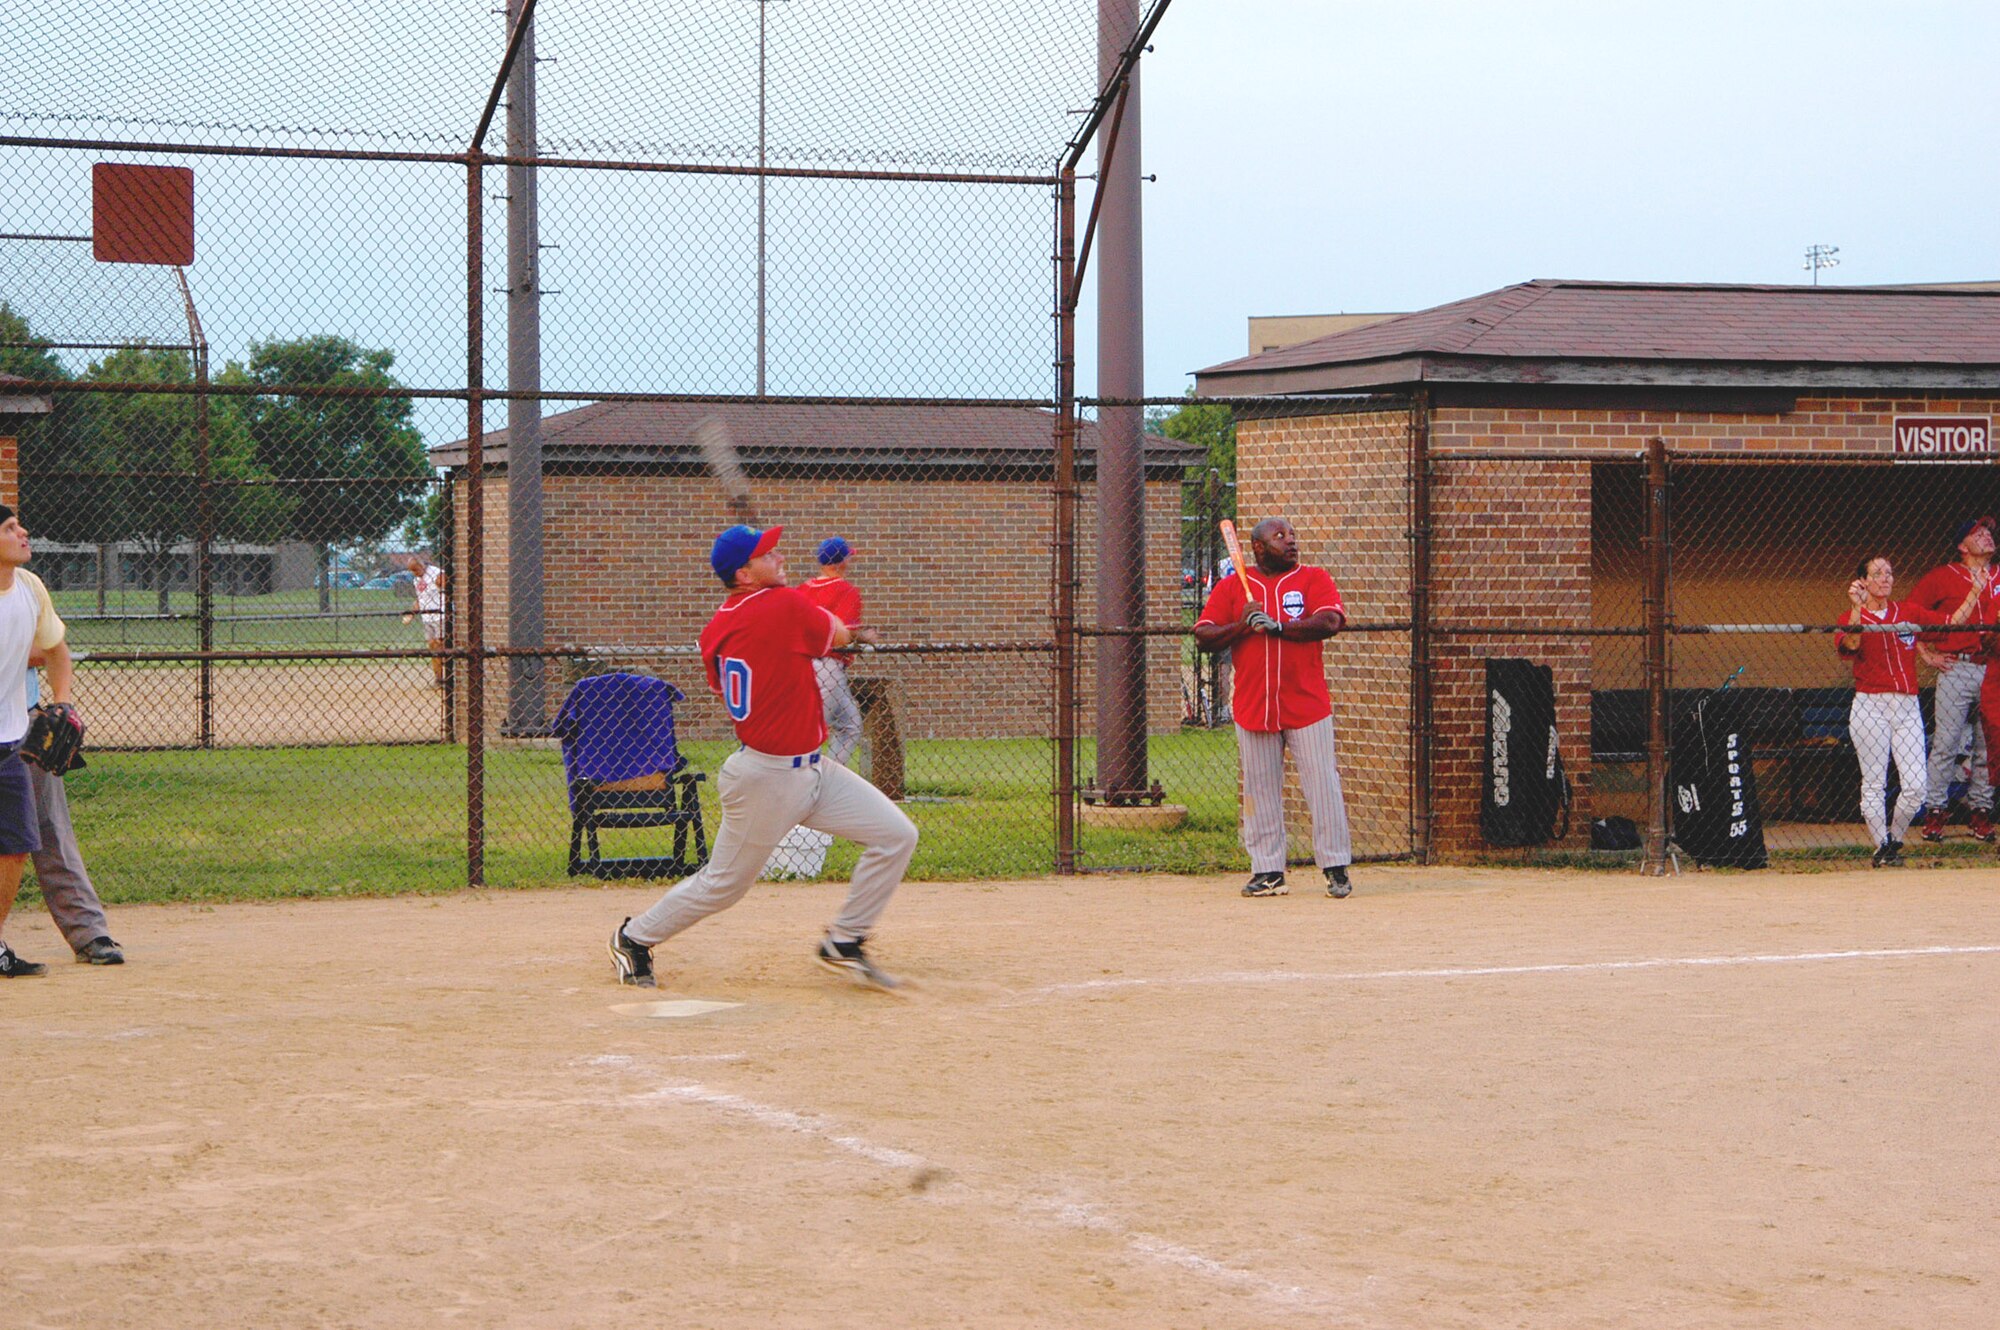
x=1521, y=536
x=937, y=561
x=10, y=471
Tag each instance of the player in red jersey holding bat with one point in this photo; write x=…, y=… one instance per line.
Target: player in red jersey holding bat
x=1273, y=635
x=758, y=652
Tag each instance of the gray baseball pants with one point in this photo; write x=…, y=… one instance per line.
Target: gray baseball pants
x=843, y=713
x=763, y=797
x=1263, y=758
x=1955, y=710
x=59, y=869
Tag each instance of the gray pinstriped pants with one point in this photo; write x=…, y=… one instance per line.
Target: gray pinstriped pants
x=1263, y=758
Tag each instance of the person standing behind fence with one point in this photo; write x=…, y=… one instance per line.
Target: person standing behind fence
x=1280, y=701
x=429, y=590
x=1961, y=670
x=1884, y=721
x=29, y=627
x=832, y=592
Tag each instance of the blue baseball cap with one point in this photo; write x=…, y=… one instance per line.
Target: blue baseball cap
x=835, y=550
x=738, y=546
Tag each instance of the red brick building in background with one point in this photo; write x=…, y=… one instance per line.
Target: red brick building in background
x=949, y=509
x=1581, y=375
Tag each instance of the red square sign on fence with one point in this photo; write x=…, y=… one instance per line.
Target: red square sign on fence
x=142, y=214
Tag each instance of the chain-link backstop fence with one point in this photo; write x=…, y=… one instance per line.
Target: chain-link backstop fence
x=344, y=516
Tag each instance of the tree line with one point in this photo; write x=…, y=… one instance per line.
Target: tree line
x=120, y=468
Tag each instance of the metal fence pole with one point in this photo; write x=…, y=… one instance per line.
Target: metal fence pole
x=1657, y=627
x=204, y=532
x=1065, y=524
x=475, y=523
x=1421, y=811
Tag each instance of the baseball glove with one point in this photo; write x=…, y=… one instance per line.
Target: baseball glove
x=55, y=738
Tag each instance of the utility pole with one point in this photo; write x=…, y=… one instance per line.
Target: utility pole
x=1122, y=776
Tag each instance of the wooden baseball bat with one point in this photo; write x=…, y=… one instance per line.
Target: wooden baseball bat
x=718, y=450
x=1230, y=543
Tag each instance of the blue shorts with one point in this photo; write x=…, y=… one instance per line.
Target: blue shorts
x=20, y=829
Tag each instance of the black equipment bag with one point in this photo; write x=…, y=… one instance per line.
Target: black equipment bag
x=1524, y=791
x=1713, y=787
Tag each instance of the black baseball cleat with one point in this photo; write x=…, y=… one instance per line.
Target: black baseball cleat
x=1889, y=855
x=99, y=951
x=1266, y=884
x=1337, y=885
x=634, y=962
x=13, y=967
x=851, y=959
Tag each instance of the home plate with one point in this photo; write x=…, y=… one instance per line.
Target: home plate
x=673, y=1010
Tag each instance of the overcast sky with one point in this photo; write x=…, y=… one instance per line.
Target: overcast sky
x=1314, y=156
x=1318, y=156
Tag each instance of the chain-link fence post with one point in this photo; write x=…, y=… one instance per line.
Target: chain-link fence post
x=1658, y=625
x=1065, y=525
x=1420, y=626
x=475, y=521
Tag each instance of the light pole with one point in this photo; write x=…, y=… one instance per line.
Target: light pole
x=762, y=7
x=1820, y=256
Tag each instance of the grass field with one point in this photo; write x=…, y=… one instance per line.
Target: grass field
x=282, y=619
x=266, y=823
x=263, y=823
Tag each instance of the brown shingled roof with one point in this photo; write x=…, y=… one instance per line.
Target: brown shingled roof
x=1646, y=324
x=850, y=431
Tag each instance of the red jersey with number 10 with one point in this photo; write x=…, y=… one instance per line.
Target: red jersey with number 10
x=1280, y=685
x=758, y=651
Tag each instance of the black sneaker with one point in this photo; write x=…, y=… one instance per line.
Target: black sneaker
x=1266, y=884
x=99, y=951
x=1337, y=885
x=13, y=967
x=1889, y=855
x=634, y=962
x=850, y=959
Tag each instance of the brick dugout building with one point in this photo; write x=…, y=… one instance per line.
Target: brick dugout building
x=1573, y=379
x=948, y=507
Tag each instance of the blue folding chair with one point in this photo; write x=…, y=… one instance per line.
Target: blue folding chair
x=626, y=772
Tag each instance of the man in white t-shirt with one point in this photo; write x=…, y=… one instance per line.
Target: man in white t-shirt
x=429, y=588
x=29, y=627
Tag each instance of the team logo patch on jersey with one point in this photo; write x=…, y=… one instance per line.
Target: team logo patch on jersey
x=1293, y=603
x=1906, y=633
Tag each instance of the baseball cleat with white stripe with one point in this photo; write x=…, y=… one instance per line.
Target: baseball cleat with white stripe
x=634, y=962
x=1266, y=884
x=850, y=959
x=1337, y=885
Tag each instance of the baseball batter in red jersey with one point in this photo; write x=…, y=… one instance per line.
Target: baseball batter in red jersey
x=758, y=652
x=1280, y=701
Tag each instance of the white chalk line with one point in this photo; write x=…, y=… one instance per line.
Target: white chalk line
x=1490, y=971
x=1082, y=1216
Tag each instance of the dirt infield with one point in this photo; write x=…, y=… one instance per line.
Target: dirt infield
x=1460, y=1098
